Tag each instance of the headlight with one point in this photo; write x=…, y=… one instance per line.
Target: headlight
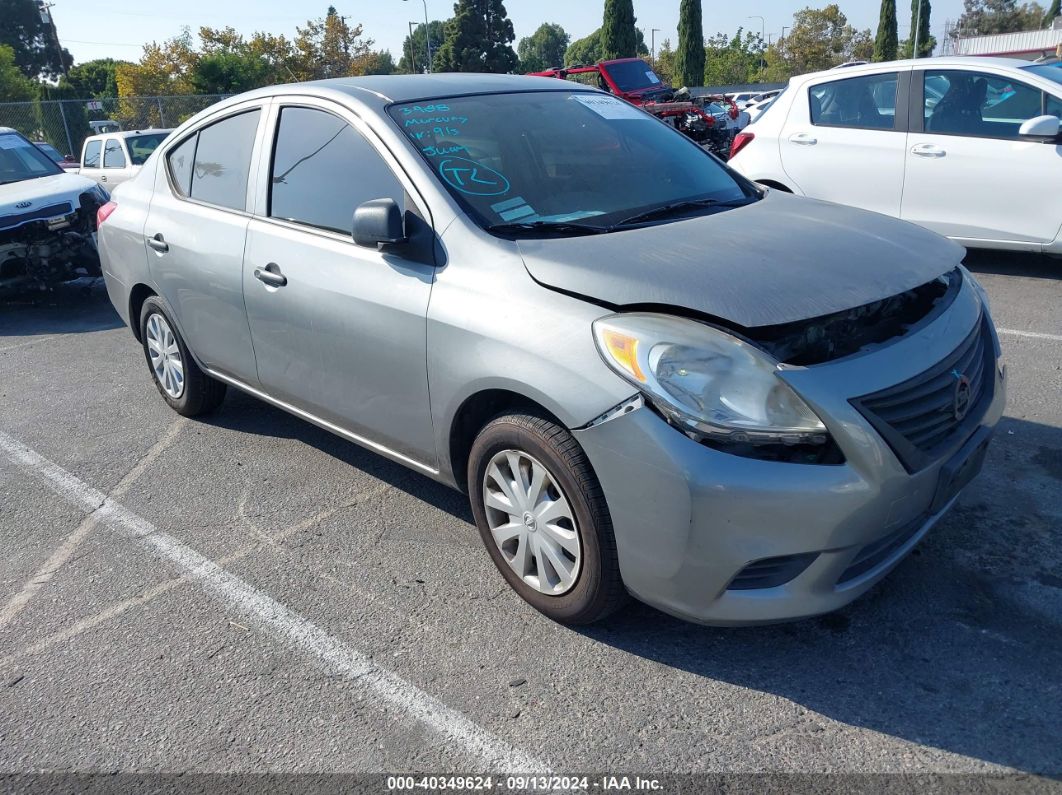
x=706, y=381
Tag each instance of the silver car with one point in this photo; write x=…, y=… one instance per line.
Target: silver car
x=650, y=375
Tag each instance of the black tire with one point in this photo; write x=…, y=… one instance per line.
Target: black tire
x=201, y=394
x=598, y=590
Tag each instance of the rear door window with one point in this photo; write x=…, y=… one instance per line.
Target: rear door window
x=223, y=161
x=113, y=154
x=867, y=102
x=92, y=154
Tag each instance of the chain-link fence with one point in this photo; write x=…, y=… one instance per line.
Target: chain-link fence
x=66, y=123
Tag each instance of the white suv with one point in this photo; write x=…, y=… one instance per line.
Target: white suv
x=968, y=147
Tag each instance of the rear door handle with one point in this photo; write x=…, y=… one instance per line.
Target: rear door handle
x=271, y=275
x=803, y=139
x=103, y=178
x=158, y=243
x=927, y=150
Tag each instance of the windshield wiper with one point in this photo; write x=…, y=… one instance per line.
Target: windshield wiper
x=560, y=227
x=677, y=207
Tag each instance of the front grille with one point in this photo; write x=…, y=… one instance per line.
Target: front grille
x=918, y=418
x=771, y=572
x=51, y=211
x=881, y=551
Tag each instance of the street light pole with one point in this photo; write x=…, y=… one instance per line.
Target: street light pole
x=652, y=35
x=412, y=58
x=918, y=27
x=427, y=36
x=763, y=34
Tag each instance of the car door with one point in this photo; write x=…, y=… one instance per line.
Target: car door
x=969, y=174
x=339, y=329
x=844, y=140
x=115, y=163
x=91, y=159
x=195, y=233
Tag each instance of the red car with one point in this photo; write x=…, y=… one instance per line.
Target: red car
x=65, y=162
x=634, y=80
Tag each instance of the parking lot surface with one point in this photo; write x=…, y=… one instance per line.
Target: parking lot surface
x=250, y=593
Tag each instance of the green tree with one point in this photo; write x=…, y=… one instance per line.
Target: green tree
x=93, y=79
x=230, y=73
x=664, y=63
x=619, y=37
x=926, y=41
x=689, y=58
x=985, y=17
x=24, y=31
x=885, y=43
x=588, y=50
x=14, y=86
x=414, y=51
x=543, y=48
x=820, y=38
x=478, y=39
x=379, y=62
x=1052, y=13
x=329, y=47
x=733, y=59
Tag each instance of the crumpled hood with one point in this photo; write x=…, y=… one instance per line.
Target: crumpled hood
x=40, y=193
x=779, y=260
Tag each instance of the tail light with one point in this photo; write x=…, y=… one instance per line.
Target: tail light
x=741, y=140
x=104, y=213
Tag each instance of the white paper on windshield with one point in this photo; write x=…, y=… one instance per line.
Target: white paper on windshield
x=610, y=107
x=652, y=76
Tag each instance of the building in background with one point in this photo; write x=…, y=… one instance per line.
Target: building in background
x=1029, y=45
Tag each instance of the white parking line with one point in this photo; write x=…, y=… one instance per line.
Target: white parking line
x=69, y=546
x=285, y=624
x=1036, y=335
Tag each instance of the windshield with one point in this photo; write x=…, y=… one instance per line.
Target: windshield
x=51, y=151
x=19, y=160
x=560, y=157
x=141, y=146
x=632, y=75
x=1050, y=71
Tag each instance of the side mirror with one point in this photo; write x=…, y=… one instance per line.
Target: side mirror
x=1045, y=128
x=379, y=221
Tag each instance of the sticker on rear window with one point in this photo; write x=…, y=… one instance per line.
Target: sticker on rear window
x=610, y=107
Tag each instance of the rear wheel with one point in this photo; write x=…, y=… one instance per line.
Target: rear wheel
x=180, y=381
x=543, y=518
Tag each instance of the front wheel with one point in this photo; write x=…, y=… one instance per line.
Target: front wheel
x=543, y=518
x=183, y=385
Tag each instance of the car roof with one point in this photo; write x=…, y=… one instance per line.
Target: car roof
x=409, y=88
x=130, y=133
x=933, y=63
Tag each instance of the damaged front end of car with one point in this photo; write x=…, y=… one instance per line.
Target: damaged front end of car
x=42, y=246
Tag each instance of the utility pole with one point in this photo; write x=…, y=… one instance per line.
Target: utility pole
x=652, y=36
x=45, y=10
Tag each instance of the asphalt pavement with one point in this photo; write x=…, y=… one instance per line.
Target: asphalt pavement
x=248, y=593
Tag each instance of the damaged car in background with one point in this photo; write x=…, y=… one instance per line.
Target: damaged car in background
x=47, y=219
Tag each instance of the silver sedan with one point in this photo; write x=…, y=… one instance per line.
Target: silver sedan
x=537, y=293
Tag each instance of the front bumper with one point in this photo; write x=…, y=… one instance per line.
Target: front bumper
x=689, y=520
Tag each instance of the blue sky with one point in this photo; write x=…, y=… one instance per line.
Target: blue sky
x=113, y=28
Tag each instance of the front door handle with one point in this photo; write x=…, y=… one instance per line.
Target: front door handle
x=803, y=139
x=927, y=150
x=103, y=178
x=158, y=243
x=271, y=275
